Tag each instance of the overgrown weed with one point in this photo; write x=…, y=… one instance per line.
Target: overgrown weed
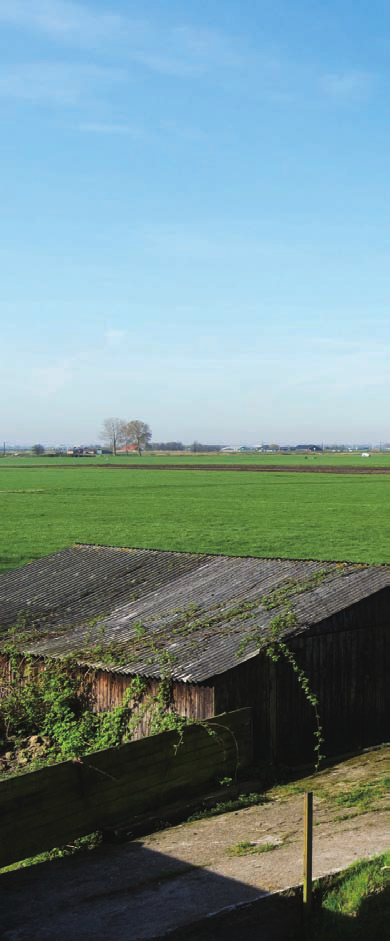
x=225, y=807
x=83, y=844
x=248, y=848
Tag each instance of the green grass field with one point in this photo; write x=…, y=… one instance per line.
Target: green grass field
x=44, y=509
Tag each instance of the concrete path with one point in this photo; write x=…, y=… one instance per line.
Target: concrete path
x=174, y=878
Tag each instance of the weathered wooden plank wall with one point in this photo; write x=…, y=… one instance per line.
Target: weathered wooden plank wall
x=248, y=684
x=348, y=669
x=189, y=700
x=349, y=672
x=55, y=805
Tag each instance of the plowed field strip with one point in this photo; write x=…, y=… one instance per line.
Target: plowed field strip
x=251, y=468
x=254, y=468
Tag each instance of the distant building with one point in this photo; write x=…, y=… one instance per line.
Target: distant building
x=307, y=447
x=81, y=451
x=127, y=449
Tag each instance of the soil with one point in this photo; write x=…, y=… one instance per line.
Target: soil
x=250, y=468
x=174, y=879
x=20, y=754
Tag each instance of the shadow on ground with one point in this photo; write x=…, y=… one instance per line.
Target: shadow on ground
x=134, y=893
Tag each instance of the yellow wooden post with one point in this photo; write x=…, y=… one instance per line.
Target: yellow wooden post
x=307, y=850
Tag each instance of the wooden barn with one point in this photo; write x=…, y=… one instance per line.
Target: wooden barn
x=203, y=623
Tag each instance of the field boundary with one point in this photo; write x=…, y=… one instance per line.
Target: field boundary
x=245, y=468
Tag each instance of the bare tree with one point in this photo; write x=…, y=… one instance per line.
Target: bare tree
x=112, y=432
x=137, y=432
x=38, y=449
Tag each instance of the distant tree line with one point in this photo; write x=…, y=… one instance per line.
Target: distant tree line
x=166, y=446
x=179, y=446
x=198, y=447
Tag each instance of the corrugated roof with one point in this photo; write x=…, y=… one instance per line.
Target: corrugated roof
x=140, y=611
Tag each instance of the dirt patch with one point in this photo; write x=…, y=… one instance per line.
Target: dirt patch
x=254, y=468
x=143, y=889
x=22, y=754
x=246, y=468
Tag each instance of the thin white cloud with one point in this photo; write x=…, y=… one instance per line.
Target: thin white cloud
x=185, y=50
x=115, y=338
x=207, y=44
x=136, y=133
x=182, y=50
x=46, y=379
x=207, y=245
x=337, y=365
x=174, y=65
x=338, y=346
x=102, y=127
x=187, y=133
x=347, y=86
x=56, y=82
x=61, y=19
x=43, y=379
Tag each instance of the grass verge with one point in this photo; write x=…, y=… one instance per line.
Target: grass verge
x=83, y=844
x=355, y=904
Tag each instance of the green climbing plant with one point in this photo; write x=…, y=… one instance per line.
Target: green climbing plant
x=275, y=651
x=55, y=699
x=276, y=648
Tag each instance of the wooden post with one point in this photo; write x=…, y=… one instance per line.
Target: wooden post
x=307, y=850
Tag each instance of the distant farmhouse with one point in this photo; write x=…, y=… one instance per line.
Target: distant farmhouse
x=128, y=449
x=201, y=622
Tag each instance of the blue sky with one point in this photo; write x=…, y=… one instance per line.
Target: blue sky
x=195, y=219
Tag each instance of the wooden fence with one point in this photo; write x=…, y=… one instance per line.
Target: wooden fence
x=55, y=805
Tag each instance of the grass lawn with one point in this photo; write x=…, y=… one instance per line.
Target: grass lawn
x=44, y=509
x=356, y=905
